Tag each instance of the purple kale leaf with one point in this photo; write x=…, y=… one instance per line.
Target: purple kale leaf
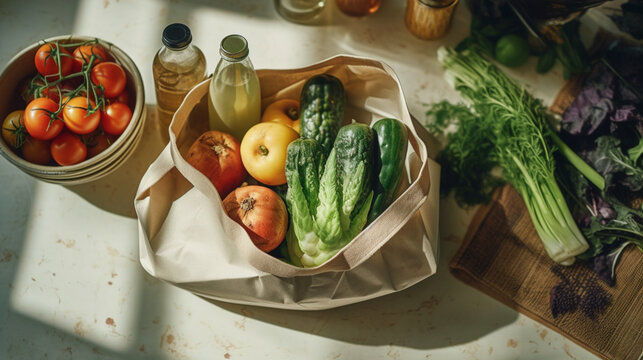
x=604, y=264
x=625, y=113
x=591, y=107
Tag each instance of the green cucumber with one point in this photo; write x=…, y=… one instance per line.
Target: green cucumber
x=392, y=141
x=322, y=103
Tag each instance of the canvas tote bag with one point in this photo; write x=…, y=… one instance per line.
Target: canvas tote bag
x=186, y=238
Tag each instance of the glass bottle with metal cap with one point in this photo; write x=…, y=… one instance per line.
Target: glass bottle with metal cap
x=234, y=95
x=178, y=66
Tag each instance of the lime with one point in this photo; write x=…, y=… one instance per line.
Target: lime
x=512, y=50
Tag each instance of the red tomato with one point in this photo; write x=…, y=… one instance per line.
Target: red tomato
x=40, y=121
x=83, y=94
x=83, y=54
x=122, y=98
x=68, y=149
x=47, y=62
x=13, y=130
x=52, y=93
x=111, y=76
x=115, y=118
x=36, y=151
x=72, y=83
x=76, y=118
x=97, y=144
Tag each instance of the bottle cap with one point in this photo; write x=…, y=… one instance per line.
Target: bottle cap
x=234, y=48
x=177, y=36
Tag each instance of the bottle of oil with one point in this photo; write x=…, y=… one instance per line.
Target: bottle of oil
x=234, y=96
x=178, y=66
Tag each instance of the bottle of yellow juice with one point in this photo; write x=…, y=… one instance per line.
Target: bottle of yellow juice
x=234, y=95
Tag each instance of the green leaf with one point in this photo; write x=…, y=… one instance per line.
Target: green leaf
x=328, y=225
x=608, y=159
x=359, y=219
x=635, y=152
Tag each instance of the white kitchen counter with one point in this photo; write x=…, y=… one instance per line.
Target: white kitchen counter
x=71, y=286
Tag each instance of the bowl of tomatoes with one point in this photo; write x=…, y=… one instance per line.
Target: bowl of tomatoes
x=72, y=109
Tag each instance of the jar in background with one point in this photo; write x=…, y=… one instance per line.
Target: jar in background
x=300, y=11
x=178, y=66
x=429, y=19
x=234, y=97
x=358, y=8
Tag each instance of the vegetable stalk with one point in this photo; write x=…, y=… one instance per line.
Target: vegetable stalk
x=580, y=165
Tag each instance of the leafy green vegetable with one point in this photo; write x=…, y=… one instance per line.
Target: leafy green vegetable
x=328, y=208
x=635, y=152
x=466, y=169
x=609, y=160
x=516, y=125
x=303, y=167
x=571, y=52
x=605, y=221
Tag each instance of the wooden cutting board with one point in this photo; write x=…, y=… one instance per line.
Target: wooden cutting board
x=503, y=257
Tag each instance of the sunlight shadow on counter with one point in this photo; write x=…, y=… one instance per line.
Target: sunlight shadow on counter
x=116, y=191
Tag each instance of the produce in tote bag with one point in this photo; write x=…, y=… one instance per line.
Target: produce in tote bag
x=261, y=212
x=322, y=110
x=392, y=141
x=284, y=111
x=329, y=202
x=187, y=237
x=217, y=155
x=324, y=226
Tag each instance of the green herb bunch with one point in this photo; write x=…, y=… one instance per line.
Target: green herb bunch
x=508, y=128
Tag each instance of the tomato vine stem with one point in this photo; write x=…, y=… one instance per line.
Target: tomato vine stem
x=87, y=85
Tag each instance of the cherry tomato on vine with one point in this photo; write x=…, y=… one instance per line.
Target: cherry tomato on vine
x=13, y=130
x=41, y=120
x=76, y=118
x=115, y=118
x=83, y=54
x=52, y=93
x=111, y=76
x=122, y=98
x=48, y=63
x=97, y=144
x=68, y=149
x=36, y=151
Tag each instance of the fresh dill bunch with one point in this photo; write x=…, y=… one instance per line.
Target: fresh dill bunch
x=467, y=170
x=512, y=126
